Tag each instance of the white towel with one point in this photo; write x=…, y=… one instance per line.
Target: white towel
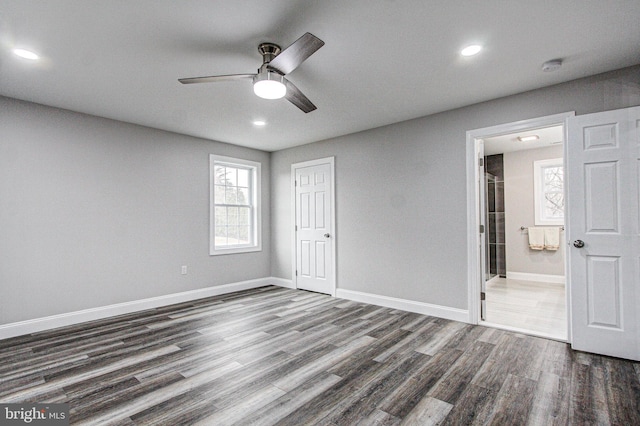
x=536, y=238
x=552, y=238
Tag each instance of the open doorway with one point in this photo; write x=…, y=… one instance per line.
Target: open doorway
x=513, y=283
x=524, y=231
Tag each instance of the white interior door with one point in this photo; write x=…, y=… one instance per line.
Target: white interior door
x=603, y=164
x=314, y=235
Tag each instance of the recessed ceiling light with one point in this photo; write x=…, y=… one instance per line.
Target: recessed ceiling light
x=259, y=123
x=26, y=54
x=471, y=50
x=528, y=138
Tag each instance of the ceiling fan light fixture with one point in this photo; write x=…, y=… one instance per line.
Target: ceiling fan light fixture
x=269, y=85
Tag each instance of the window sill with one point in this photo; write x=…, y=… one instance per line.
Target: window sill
x=220, y=252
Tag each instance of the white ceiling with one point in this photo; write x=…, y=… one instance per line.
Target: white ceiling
x=509, y=143
x=384, y=61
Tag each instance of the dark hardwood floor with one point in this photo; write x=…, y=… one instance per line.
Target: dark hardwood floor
x=278, y=356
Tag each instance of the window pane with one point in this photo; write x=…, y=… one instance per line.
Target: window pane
x=549, y=195
x=232, y=216
x=221, y=216
x=243, y=177
x=221, y=236
x=553, y=178
x=244, y=214
x=231, y=195
x=243, y=234
x=554, y=205
x=219, y=191
x=243, y=196
x=232, y=178
x=232, y=235
x=552, y=174
x=219, y=175
x=554, y=198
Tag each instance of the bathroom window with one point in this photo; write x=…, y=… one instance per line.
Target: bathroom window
x=548, y=178
x=235, y=208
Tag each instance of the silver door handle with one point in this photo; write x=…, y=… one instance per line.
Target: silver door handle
x=327, y=235
x=578, y=243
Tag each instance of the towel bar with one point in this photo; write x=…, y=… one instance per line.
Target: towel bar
x=524, y=228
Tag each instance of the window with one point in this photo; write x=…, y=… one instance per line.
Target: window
x=548, y=178
x=235, y=208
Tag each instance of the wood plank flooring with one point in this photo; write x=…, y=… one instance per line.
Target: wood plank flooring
x=278, y=356
x=528, y=305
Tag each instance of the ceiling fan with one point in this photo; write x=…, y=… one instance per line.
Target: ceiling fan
x=269, y=82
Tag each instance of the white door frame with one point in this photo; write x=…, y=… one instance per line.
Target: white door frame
x=473, y=206
x=332, y=198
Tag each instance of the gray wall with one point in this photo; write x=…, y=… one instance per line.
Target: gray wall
x=519, y=211
x=401, y=191
x=95, y=212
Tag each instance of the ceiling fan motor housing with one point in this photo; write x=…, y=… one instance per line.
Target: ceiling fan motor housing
x=268, y=51
x=269, y=83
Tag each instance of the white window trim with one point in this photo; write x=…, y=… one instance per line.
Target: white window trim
x=538, y=188
x=256, y=201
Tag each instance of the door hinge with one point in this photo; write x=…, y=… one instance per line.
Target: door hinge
x=296, y=228
x=482, y=229
x=480, y=162
x=296, y=273
x=295, y=183
x=482, y=295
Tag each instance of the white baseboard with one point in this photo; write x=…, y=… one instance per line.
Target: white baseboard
x=543, y=278
x=71, y=318
x=439, y=311
x=281, y=282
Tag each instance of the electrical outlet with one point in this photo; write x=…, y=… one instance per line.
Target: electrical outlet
x=184, y=269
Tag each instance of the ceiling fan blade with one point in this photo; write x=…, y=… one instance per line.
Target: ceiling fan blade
x=215, y=78
x=291, y=57
x=295, y=96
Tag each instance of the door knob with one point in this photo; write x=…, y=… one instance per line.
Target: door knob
x=578, y=243
x=327, y=235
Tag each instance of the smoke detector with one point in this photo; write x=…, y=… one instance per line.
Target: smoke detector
x=552, y=65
